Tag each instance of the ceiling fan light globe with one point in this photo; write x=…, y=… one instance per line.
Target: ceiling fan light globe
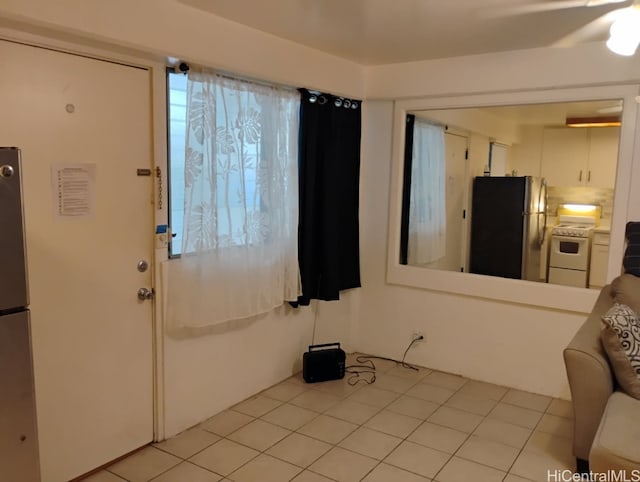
x=625, y=33
x=627, y=25
x=621, y=45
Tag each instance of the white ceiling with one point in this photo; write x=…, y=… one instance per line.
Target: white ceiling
x=373, y=32
x=557, y=113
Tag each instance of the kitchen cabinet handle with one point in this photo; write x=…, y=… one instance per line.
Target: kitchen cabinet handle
x=580, y=176
x=589, y=177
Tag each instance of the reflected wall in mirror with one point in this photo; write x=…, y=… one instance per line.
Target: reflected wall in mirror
x=485, y=190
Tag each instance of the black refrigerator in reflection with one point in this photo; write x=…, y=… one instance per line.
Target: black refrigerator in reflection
x=18, y=436
x=508, y=225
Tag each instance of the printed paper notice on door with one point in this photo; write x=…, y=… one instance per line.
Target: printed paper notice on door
x=74, y=190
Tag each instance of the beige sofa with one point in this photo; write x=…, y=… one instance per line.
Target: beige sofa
x=607, y=420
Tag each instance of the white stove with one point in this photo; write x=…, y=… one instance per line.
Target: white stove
x=570, y=250
x=576, y=226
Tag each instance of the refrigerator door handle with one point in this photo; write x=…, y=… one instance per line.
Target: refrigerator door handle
x=542, y=209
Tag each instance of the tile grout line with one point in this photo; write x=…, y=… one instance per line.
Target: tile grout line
x=157, y=475
x=405, y=439
x=440, y=405
x=470, y=434
x=292, y=431
x=506, y=472
x=381, y=461
x=521, y=450
x=467, y=438
x=380, y=409
x=362, y=425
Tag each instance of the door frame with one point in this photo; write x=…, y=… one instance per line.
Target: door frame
x=157, y=85
x=464, y=220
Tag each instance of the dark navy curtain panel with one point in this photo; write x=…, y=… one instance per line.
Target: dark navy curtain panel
x=631, y=260
x=406, y=189
x=328, y=232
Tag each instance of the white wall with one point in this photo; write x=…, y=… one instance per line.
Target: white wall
x=478, y=156
x=587, y=64
x=494, y=341
x=475, y=120
x=203, y=372
x=209, y=370
x=526, y=155
x=498, y=342
x=161, y=28
x=510, y=344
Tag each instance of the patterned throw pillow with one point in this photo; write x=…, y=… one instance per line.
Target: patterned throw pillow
x=621, y=340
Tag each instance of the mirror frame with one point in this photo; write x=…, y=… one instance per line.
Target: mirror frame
x=544, y=295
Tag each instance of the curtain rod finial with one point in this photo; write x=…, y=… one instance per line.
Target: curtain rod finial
x=182, y=68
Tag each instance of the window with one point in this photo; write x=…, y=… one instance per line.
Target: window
x=233, y=197
x=177, y=125
x=246, y=139
x=424, y=203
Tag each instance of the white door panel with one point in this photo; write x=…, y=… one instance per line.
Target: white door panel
x=455, y=175
x=456, y=148
x=92, y=337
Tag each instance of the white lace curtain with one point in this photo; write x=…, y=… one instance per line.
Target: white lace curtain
x=427, y=212
x=239, y=249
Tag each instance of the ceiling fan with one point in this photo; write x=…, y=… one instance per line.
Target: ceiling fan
x=624, y=35
x=623, y=22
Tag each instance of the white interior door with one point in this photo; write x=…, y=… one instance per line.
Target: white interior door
x=92, y=337
x=455, y=178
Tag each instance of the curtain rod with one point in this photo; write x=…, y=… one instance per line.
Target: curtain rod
x=319, y=93
x=183, y=68
x=431, y=122
x=499, y=144
x=456, y=134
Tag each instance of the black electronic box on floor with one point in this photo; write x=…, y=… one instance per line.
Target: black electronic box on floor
x=323, y=362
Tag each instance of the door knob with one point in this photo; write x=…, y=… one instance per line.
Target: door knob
x=145, y=294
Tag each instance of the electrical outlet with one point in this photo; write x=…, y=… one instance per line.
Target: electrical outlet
x=417, y=337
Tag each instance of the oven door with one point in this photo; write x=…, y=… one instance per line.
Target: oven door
x=569, y=252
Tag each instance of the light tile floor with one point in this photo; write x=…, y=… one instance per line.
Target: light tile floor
x=409, y=426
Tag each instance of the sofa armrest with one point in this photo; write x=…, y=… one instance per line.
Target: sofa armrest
x=590, y=379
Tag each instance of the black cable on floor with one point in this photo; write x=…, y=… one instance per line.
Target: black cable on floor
x=358, y=370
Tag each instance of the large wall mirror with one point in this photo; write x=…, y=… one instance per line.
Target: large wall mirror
x=529, y=189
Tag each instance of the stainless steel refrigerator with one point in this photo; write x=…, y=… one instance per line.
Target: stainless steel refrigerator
x=19, y=461
x=508, y=225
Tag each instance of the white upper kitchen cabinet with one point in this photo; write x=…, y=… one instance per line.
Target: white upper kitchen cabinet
x=564, y=156
x=603, y=156
x=580, y=156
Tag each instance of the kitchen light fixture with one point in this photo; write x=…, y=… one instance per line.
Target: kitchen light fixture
x=580, y=208
x=604, y=121
x=625, y=32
